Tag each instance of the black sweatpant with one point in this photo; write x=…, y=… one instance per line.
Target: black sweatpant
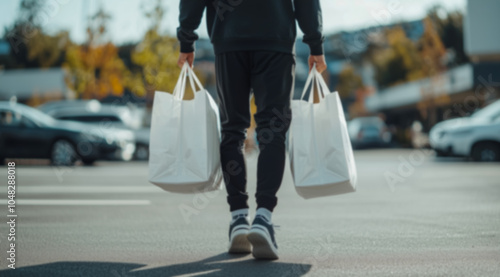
x=271, y=77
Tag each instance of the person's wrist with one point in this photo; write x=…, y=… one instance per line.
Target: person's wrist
x=316, y=50
x=187, y=48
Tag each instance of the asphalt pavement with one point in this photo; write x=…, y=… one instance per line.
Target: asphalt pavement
x=413, y=215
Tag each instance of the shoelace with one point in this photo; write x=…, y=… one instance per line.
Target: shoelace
x=276, y=227
x=239, y=216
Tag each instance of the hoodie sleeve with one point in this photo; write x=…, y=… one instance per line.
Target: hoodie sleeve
x=191, y=12
x=310, y=19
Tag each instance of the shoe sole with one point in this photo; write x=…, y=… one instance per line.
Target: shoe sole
x=239, y=243
x=263, y=247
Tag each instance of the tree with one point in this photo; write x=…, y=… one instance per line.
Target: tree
x=449, y=26
x=432, y=50
x=31, y=46
x=404, y=60
x=30, y=9
x=399, y=62
x=349, y=82
x=156, y=56
x=48, y=51
x=95, y=66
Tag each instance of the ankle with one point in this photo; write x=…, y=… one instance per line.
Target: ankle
x=238, y=213
x=267, y=214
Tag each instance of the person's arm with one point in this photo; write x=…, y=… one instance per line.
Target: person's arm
x=310, y=19
x=191, y=12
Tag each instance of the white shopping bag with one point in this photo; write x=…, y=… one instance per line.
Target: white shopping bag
x=321, y=157
x=185, y=139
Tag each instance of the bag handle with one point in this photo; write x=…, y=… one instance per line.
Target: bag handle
x=192, y=77
x=322, y=83
x=186, y=73
x=179, y=86
x=318, y=82
x=308, y=82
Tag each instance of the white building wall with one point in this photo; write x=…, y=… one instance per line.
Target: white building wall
x=23, y=83
x=482, y=27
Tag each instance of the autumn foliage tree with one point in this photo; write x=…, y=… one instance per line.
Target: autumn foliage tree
x=432, y=50
x=349, y=82
x=405, y=60
x=95, y=67
x=156, y=56
x=399, y=62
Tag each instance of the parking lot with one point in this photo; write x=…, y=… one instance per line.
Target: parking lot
x=413, y=215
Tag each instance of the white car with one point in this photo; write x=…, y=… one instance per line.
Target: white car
x=477, y=136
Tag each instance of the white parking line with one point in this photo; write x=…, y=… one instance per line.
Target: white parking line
x=88, y=189
x=78, y=202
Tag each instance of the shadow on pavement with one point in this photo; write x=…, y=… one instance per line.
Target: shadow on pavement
x=219, y=265
x=452, y=160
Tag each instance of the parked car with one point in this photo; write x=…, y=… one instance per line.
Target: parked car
x=368, y=132
x=104, y=116
x=48, y=106
x=477, y=136
x=26, y=132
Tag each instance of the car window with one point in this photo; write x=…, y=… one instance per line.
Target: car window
x=37, y=117
x=26, y=122
x=9, y=118
x=91, y=118
x=13, y=119
x=489, y=111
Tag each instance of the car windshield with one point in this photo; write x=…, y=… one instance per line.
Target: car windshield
x=490, y=111
x=370, y=122
x=37, y=116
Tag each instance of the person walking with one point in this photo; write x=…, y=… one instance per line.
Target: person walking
x=254, y=45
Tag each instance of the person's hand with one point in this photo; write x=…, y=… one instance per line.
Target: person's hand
x=185, y=57
x=319, y=61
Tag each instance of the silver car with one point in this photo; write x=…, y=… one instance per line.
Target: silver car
x=368, y=132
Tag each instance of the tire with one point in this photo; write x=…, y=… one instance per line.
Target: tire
x=141, y=152
x=440, y=154
x=63, y=153
x=486, y=152
x=88, y=161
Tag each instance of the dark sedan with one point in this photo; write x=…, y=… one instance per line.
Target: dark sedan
x=96, y=113
x=29, y=133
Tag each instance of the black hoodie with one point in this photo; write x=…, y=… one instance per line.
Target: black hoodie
x=249, y=25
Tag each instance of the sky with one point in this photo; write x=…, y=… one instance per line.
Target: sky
x=128, y=23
